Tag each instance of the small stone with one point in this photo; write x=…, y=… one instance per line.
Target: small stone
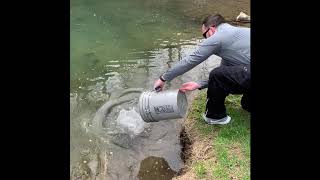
x=111, y=153
x=85, y=152
x=90, y=140
x=94, y=14
x=85, y=162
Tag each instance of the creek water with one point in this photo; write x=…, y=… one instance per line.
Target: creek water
x=122, y=45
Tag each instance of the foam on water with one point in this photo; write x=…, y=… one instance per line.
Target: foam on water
x=131, y=122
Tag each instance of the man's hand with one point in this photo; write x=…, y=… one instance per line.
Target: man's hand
x=158, y=85
x=189, y=86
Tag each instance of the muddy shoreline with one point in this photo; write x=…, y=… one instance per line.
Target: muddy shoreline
x=185, y=150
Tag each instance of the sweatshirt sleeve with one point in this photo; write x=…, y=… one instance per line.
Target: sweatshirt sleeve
x=204, y=50
x=203, y=84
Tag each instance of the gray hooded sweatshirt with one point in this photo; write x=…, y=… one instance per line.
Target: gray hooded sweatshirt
x=231, y=43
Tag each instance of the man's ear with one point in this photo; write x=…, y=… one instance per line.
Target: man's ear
x=213, y=29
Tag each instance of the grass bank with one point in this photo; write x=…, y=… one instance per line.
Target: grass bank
x=216, y=151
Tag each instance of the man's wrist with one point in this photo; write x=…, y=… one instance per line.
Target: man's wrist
x=162, y=79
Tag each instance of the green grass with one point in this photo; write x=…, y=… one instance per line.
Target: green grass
x=200, y=169
x=231, y=142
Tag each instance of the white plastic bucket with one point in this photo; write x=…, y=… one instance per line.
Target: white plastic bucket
x=156, y=106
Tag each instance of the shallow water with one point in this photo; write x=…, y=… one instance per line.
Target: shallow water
x=155, y=168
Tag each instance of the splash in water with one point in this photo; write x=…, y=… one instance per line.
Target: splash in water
x=131, y=122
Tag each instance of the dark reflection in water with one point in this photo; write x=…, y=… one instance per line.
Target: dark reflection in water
x=155, y=168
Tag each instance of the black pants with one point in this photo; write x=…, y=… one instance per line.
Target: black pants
x=225, y=80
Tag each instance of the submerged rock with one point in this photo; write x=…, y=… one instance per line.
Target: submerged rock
x=122, y=139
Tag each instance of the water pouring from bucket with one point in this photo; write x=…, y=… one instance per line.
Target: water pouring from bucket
x=156, y=106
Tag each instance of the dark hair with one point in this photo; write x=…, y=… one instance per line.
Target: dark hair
x=213, y=20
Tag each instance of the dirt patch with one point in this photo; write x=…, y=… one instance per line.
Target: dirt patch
x=194, y=149
x=185, y=152
x=186, y=145
x=236, y=150
x=186, y=176
x=205, y=158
